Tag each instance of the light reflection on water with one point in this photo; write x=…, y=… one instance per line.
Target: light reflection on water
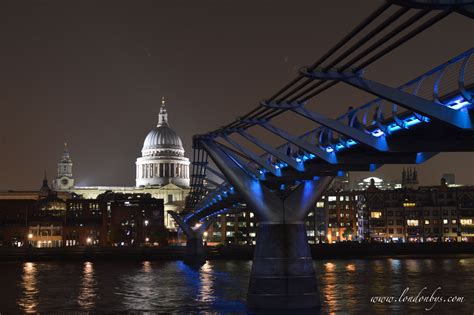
x=28, y=302
x=87, y=293
x=221, y=286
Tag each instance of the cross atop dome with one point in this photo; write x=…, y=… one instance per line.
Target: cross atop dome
x=163, y=115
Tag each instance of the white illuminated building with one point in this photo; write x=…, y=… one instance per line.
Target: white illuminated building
x=162, y=161
x=162, y=171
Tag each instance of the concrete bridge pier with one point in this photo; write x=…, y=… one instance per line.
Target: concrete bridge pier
x=282, y=275
x=195, y=250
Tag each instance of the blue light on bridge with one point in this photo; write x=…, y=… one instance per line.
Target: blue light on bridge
x=351, y=142
x=459, y=103
x=339, y=146
x=378, y=133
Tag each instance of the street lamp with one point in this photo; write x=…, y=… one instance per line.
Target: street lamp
x=146, y=222
x=89, y=240
x=30, y=236
x=147, y=239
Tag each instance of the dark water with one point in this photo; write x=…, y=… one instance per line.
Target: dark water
x=220, y=287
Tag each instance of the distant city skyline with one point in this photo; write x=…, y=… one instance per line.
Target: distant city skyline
x=93, y=75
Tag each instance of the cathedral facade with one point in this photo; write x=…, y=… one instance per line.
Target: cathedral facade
x=162, y=170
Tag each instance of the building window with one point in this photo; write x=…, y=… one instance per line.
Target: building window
x=390, y=213
x=170, y=198
x=454, y=221
x=466, y=221
x=320, y=204
x=445, y=221
x=455, y=230
x=376, y=214
x=409, y=204
x=427, y=222
x=390, y=231
x=332, y=198
x=412, y=222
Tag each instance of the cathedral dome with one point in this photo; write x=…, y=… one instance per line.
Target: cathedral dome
x=162, y=161
x=162, y=137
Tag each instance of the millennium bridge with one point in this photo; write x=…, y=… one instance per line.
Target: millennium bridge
x=408, y=124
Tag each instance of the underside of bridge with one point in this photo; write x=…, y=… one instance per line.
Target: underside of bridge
x=282, y=271
x=404, y=125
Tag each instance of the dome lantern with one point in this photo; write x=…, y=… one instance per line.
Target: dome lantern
x=163, y=115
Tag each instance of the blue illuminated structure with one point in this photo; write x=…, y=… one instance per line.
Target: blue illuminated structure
x=404, y=125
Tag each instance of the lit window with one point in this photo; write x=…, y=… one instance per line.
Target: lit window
x=445, y=221
x=341, y=198
x=427, y=221
x=466, y=221
x=454, y=221
x=376, y=214
x=412, y=222
x=251, y=214
x=320, y=204
x=409, y=204
x=332, y=198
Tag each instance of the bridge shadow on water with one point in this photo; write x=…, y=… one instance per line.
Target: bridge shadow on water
x=202, y=278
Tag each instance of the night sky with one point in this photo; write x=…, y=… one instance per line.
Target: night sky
x=92, y=73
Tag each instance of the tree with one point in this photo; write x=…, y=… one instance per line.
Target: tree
x=347, y=232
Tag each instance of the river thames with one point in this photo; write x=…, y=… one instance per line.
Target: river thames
x=220, y=286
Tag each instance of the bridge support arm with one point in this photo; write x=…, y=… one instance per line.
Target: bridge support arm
x=282, y=275
x=195, y=251
x=415, y=103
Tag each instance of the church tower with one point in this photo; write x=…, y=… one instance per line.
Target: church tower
x=64, y=180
